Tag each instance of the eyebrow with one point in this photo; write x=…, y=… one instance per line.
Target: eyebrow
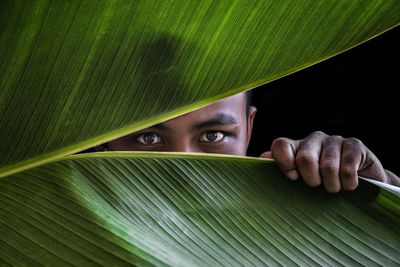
x=160, y=126
x=218, y=120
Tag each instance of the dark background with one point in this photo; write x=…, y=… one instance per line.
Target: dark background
x=353, y=94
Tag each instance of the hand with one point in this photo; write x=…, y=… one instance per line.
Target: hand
x=333, y=161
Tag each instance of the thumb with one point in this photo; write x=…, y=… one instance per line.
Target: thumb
x=267, y=155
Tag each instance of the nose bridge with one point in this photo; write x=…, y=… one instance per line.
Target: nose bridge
x=184, y=145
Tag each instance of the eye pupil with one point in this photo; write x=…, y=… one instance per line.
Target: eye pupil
x=211, y=135
x=148, y=138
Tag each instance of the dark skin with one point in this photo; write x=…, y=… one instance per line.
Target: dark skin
x=225, y=128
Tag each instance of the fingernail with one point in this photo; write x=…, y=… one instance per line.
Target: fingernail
x=293, y=174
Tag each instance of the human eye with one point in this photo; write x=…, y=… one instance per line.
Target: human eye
x=149, y=139
x=212, y=136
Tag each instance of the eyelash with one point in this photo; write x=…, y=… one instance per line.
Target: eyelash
x=141, y=136
x=160, y=140
x=224, y=134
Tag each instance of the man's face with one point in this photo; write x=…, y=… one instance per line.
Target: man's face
x=222, y=127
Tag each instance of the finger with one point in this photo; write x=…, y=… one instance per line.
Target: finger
x=267, y=155
x=372, y=168
x=329, y=164
x=283, y=150
x=350, y=161
x=307, y=158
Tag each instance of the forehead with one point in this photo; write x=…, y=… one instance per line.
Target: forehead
x=234, y=106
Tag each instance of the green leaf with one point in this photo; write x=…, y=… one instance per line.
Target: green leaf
x=186, y=210
x=74, y=74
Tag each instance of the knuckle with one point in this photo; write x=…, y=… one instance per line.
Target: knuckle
x=305, y=160
x=347, y=173
x=353, y=142
x=348, y=160
x=328, y=168
x=280, y=143
x=334, y=139
x=318, y=133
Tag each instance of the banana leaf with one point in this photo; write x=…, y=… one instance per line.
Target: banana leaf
x=189, y=210
x=74, y=74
